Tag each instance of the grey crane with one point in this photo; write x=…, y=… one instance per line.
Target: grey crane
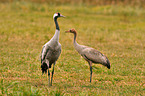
x=51, y=51
x=91, y=55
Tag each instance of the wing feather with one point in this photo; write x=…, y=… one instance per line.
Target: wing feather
x=94, y=55
x=44, y=52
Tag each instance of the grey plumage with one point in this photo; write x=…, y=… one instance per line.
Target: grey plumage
x=51, y=50
x=91, y=55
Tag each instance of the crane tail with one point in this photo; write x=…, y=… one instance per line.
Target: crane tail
x=44, y=68
x=108, y=64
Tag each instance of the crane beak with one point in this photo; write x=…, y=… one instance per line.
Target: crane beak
x=61, y=15
x=67, y=31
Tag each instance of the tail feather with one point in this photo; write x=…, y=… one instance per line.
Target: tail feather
x=108, y=63
x=44, y=67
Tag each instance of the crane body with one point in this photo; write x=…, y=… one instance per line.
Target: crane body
x=51, y=51
x=91, y=55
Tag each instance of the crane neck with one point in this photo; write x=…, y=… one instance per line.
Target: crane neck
x=57, y=31
x=75, y=42
x=76, y=45
x=56, y=35
x=56, y=23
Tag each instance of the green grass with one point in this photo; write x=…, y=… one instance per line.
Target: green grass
x=116, y=31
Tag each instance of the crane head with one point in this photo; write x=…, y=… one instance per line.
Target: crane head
x=56, y=15
x=71, y=31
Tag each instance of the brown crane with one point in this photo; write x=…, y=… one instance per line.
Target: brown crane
x=91, y=55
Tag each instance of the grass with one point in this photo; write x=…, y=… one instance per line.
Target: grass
x=116, y=31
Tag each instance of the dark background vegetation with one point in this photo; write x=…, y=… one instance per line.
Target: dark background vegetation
x=87, y=2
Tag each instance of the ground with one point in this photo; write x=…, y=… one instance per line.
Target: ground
x=116, y=31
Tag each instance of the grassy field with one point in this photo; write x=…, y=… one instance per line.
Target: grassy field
x=116, y=31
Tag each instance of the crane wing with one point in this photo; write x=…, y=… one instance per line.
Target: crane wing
x=44, y=51
x=94, y=55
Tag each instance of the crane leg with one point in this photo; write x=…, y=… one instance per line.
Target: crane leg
x=90, y=63
x=47, y=62
x=52, y=73
x=48, y=77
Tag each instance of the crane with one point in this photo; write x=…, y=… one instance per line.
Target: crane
x=51, y=51
x=91, y=55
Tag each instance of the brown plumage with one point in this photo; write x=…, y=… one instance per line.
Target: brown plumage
x=91, y=55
